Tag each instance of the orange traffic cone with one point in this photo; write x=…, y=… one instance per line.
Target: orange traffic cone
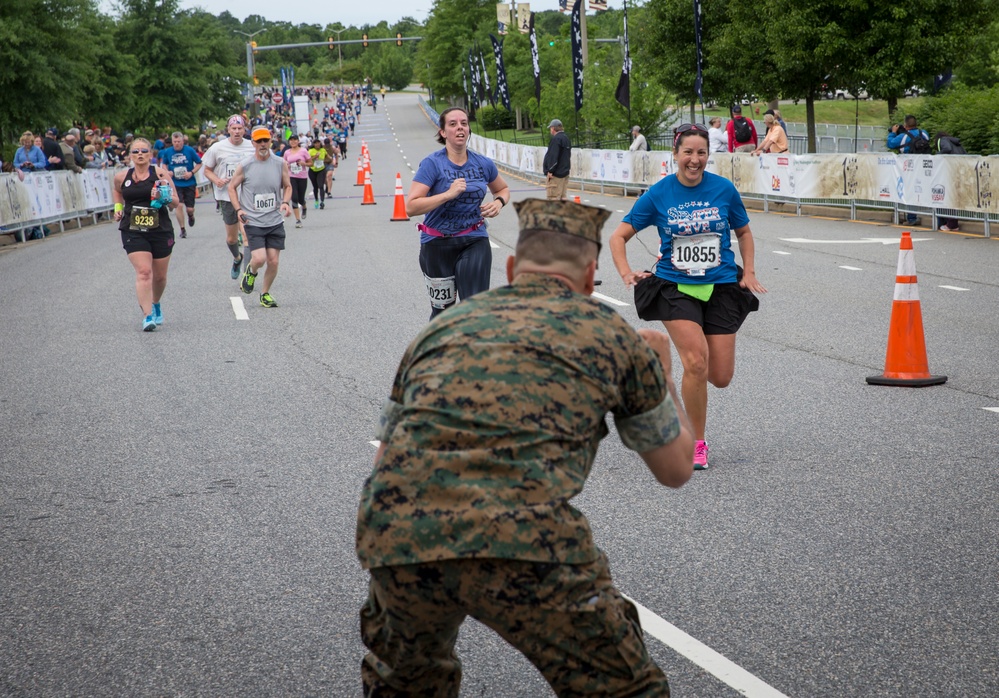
x=369, y=195
x=905, y=361
x=360, y=173
x=576, y=199
x=367, y=163
x=662, y=170
x=399, y=214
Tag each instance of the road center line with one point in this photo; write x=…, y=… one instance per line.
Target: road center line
x=991, y=409
x=723, y=669
x=955, y=288
x=781, y=252
x=238, y=308
x=608, y=299
x=842, y=266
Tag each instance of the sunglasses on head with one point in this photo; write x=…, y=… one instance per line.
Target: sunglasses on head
x=684, y=128
x=136, y=151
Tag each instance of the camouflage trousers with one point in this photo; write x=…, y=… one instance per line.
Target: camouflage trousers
x=568, y=620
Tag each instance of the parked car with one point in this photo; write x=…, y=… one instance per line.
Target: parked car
x=844, y=94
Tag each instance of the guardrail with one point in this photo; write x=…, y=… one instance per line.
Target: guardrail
x=30, y=200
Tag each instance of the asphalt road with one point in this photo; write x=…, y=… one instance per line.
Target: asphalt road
x=177, y=508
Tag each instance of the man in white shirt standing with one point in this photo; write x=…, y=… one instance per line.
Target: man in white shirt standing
x=638, y=140
x=220, y=164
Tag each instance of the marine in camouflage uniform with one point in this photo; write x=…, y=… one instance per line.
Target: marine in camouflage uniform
x=491, y=428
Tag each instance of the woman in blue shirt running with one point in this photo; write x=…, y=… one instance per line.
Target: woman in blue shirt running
x=449, y=187
x=697, y=290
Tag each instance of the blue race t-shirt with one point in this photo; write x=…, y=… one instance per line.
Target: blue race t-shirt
x=178, y=161
x=702, y=219
x=437, y=172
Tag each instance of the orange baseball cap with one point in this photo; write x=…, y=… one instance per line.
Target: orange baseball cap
x=260, y=132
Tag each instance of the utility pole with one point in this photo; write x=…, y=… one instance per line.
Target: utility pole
x=339, y=53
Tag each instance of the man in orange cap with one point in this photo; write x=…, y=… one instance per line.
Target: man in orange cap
x=260, y=190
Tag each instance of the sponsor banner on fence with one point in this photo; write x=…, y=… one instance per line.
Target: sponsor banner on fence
x=959, y=182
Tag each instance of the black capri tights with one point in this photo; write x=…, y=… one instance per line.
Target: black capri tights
x=299, y=185
x=318, y=184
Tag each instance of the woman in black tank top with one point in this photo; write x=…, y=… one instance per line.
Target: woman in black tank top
x=146, y=230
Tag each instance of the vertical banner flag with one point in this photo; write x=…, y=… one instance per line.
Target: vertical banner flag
x=699, y=80
x=623, y=92
x=293, y=79
x=485, y=79
x=473, y=79
x=501, y=88
x=577, y=53
x=502, y=18
x=535, y=62
x=524, y=17
x=598, y=5
x=284, y=85
x=464, y=84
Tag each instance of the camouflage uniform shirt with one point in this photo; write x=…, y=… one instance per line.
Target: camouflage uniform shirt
x=493, y=424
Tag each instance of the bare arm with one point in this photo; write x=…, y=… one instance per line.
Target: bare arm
x=619, y=238
x=418, y=203
x=499, y=190
x=747, y=249
x=286, y=189
x=672, y=464
x=233, y=187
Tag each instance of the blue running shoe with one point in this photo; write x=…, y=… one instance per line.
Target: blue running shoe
x=157, y=314
x=235, y=267
x=148, y=325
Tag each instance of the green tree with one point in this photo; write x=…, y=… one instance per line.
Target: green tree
x=394, y=69
x=47, y=58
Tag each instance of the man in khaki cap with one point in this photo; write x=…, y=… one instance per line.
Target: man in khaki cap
x=491, y=427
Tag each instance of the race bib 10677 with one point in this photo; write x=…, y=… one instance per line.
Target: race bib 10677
x=265, y=202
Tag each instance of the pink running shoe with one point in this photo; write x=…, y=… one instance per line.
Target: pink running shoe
x=701, y=455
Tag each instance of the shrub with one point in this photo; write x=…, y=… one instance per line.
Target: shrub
x=494, y=118
x=970, y=114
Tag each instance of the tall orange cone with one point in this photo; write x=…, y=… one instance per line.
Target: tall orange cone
x=360, y=173
x=369, y=195
x=367, y=163
x=399, y=213
x=576, y=199
x=662, y=170
x=905, y=361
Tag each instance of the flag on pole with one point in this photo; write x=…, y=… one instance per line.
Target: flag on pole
x=464, y=84
x=473, y=79
x=485, y=79
x=699, y=80
x=524, y=17
x=623, y=92
x=502, y=18
x=598, y=5
x=577, y=53
x=566, y=5
x=284, y=85
x=501, y=88
x=535, y=62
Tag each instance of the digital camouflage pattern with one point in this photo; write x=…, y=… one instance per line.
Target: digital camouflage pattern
x=493, y=423
x=561, y=217
x=568, y=620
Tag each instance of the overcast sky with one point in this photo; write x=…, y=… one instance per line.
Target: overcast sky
x=349, y=12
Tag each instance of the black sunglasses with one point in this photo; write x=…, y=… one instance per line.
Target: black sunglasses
x=684, y=128
x=262, y=140
x=140, y=150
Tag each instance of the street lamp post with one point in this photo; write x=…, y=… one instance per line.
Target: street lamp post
x=249, y=68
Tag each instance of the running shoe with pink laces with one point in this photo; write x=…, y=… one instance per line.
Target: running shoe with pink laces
x=701, y=455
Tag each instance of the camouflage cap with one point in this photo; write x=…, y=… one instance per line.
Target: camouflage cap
x=561, y=217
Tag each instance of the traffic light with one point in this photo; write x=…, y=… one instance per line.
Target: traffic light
x=398, y=39
x=331, y=43
x=364, y=40
x=253, y=45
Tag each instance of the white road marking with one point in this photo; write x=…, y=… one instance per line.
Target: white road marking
x=780, y=252
x=608, y=299
x=238, y=308
x=861, y=241
x=955, y=288
x=493, y=245
x=723, y=669
x=843, y=266
x=991, y=409
x=376, y=444
x=620, y=210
